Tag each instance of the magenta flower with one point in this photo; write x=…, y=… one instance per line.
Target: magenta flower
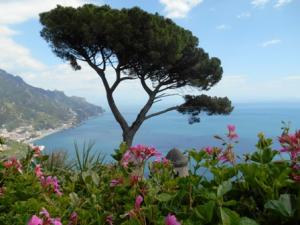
x=138, y=201
x=227, y=155
x=35, y=221
x=51, y=182
x=44, y=213
x=134, y=179
x=109, y=220
x=116, y=182
x=13, y=162
x=37, y=150
x=73, y=220
x=2, y=191
x=138, y=154
x=126, y=159
x=45, y=220
x=171, y=220
x=38, y=170
x=231, y=132
x=56, y=221
x=209, y=150
x=295, y=177
x=291, y=143
x=163, y=161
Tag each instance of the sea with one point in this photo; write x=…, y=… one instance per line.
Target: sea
x=172, y=130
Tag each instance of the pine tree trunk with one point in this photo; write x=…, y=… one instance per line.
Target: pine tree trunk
x=128, y=137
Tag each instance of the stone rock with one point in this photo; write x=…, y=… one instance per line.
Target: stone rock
x=179, y=161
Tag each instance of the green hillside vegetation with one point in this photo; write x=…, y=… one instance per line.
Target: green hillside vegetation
x=9, y=148
x=22, y=104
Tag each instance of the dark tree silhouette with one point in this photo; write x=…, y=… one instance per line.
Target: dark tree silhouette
x=138, y=46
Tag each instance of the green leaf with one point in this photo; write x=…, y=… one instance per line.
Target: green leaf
x=205, y=212
x=247, y=221
x=264, y=153
x=208, y=195
x=229, y=217
x=95, y=178
x=87, y=176
x=197, y=156
x=118, y=154
x=74, y=199
x=223, y=188
x=283, y=205
x=44, y=158
x=230, y=203
x=164, y=197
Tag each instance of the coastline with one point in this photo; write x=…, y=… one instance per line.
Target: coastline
x=28, y=135
x=45, y=133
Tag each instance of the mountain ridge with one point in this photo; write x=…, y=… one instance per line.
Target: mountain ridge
x=24, y=105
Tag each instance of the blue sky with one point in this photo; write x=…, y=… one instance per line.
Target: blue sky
x=258, y=42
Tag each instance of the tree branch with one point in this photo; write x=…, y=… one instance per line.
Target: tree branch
x=119, y=79
x=161, y=112
x=110, y=99
x=164, y=95
x=145, y=86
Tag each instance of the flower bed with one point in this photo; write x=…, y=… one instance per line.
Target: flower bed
x=255, y=189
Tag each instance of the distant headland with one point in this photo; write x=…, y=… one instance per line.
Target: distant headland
x=28, y=113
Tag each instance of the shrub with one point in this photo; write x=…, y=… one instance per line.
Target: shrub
x=222, y=188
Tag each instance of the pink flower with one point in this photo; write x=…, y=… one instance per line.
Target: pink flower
x=8, y=164
x=171, y=220
x=138, y=154
x=73, y=220
x=13, y=162
x=56, y=221
x=291, y=143
x=44, y=213
x=109, y=220
x=35, y=221
x=228, y=155
x=231, y=132
x=134, y=179
x=38, y=170
x=51, y=182
x=47, y=220
x=126, y=159
x=209, y=150
x=37, y=150
x=295, y=177
x=116, y=182
x=2, y=191
x=138, y=201
x=163, y=161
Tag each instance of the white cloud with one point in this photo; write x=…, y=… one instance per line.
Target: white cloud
x=292, y=78
x=84, y=82
x=179, y=8
x=17, y=11
x=244, y=15
x=223, y=27
x=259, y=3
x=242, y=88
x=13, y=55
x=5, y=31
x=271, y=42
x=281, y=3
x=18, y=60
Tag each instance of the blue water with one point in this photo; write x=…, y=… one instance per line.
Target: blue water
x=172, y=129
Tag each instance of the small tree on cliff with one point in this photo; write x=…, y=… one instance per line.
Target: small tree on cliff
x=138, y=46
